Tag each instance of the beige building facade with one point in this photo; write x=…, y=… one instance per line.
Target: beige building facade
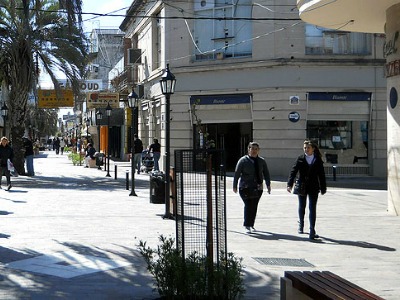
x=254, y=71
x=375, y=17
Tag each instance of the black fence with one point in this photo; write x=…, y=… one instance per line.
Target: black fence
x=201, y=203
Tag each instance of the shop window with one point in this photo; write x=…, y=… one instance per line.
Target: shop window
x=323, y=41
x=331, y=134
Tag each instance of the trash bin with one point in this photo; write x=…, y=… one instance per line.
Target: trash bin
x=157, y=188
x=99, y=160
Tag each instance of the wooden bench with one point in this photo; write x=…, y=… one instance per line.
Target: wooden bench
x=321, y=285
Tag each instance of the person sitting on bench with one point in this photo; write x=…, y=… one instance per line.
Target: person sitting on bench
x=90, y=152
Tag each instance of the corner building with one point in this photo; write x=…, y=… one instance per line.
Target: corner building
x=250, y=70
x=378, y=17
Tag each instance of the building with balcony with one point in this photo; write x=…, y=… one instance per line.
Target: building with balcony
x=254, y=71
x=375, y=17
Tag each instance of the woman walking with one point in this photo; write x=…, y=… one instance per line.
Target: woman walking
x=312, y=175
x=6, y=153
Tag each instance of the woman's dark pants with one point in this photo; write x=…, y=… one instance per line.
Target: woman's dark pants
x=312, y=207
x=250, y=206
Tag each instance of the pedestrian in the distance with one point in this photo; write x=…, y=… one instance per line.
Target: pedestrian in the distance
x=29, y=156
x=57, y=145
x=137, y=152
x=6, y=153
x=62, y=145
x=310, y=167
x=155, y=149
x=252, y=170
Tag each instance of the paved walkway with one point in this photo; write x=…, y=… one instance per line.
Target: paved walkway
x=72, y=233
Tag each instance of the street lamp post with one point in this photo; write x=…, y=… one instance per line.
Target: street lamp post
x=108, y=113
x=99, y=116
x=4, y=113
x=132, y=103
x=87, y=130
x=167, y=83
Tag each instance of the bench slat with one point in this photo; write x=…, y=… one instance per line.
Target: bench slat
x=308, y=287
x=327, y=285
x=362, y=292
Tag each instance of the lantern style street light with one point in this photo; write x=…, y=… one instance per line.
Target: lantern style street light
x=167, y=84
x=108, y=113
x=4, y=113
x=132, y=100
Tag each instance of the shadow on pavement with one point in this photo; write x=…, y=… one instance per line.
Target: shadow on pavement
x=265, y=235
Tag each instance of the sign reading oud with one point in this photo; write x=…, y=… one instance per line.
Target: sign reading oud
x=97, y=100
x=49, y=99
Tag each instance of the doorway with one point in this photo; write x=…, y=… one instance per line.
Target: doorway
x=231, y=137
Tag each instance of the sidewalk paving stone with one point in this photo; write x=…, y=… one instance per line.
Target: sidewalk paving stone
x=83, y=222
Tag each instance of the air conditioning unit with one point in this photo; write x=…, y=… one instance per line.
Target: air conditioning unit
x=134, y=56
x=220, y=55
x=203, y=4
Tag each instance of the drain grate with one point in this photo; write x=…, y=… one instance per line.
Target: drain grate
x=290, y=262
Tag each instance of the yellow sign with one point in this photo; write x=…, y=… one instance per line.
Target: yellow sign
x=49, y=99
x=97, y=100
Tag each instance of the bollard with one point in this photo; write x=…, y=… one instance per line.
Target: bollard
x=127, y=179
x=334, y=172
x=115, y=172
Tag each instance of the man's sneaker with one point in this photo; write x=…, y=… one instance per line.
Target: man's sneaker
x=248, y=229
x=9, y=187
x=253, y=229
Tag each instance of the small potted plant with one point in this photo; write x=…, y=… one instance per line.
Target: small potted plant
x=190, y=278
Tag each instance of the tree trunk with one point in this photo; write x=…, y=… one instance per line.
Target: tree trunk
x=21, y=83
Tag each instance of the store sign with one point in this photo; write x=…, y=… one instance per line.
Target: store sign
x=220, y=99
x=392, y=68
x=50, y=98
x=97, y=100
x=294, y=116
x=339, y=96
x=85, y=86
x=390, y=45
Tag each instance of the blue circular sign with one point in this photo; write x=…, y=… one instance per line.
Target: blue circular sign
x=393, y=97
x=294, y=116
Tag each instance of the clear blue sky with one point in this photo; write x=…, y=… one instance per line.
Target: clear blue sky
x=117, y=7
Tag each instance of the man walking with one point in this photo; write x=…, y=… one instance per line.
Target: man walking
x=137, y=151
x=29, y=156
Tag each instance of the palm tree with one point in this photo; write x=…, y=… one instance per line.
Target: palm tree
x=37, y=34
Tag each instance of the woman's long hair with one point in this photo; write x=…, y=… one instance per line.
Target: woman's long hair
x=317, y=153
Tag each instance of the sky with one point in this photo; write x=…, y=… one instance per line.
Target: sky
x=117, y=7
x=91, y=22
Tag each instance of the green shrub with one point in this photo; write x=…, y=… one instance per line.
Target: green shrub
x=179, y=278
x=76, y=158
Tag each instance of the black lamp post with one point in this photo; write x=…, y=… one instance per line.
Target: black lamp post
x=4, y=113
x=76, y=137
x=99, y=116
x=167, y=83
x=87, y=130
x=108, y=113
x=133, y=103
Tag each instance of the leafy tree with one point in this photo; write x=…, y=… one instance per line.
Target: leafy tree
x=43, y=120
x=37, y=34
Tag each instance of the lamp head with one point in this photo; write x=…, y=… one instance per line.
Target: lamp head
x=167, y=82
x=4, y=110
x=108, y=109
x=132, y=99
x=99, y=115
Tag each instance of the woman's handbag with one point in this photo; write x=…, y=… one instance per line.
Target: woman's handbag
x=299, y=188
